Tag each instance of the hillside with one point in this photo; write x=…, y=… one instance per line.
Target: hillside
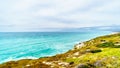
x=100, y=52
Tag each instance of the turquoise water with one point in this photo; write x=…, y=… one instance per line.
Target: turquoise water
x=19, y=45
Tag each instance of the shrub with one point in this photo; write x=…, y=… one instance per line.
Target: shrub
x=106, y=44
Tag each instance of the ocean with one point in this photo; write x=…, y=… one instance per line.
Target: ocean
x=32, y=45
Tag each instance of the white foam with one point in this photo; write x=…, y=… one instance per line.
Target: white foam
x=15, y=59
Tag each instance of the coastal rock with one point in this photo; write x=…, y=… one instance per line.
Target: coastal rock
x=98, y=63
x=27, y=65
x=78, y=46
x=82, y=66
x=47, y=63
x=63, y=63
x=76, y=54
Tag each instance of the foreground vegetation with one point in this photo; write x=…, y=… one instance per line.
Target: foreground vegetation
x=101, y=52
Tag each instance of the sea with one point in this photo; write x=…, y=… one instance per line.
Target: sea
x=33, y=45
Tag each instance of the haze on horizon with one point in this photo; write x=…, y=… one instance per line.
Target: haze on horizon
x=43, y=15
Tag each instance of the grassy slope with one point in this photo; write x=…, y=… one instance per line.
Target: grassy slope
x=101, y=52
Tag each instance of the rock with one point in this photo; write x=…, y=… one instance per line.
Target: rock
x=88, y=50
x=82, y=66
x=74, y=57
x=114, y=57
x=28, y=65
x=98, y=63
x=117, y=44
x=78, y=46
x=63, y=63
x=47, y=63
x=76, y=54
x=52, y=66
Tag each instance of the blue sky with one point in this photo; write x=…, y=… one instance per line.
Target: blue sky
x=43, y=15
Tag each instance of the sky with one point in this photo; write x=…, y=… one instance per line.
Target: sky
x=45, y=15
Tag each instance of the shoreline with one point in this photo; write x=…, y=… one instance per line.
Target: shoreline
x=32, y=58
x=12, y=59
x=100, y=48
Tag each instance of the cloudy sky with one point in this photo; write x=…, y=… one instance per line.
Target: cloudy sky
x=42, y=15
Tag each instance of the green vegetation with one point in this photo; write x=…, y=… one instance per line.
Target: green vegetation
x=101, y=52
x=106, y=44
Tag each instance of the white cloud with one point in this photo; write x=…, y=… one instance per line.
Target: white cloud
x=109, y=6
x=46, y=12
x=39, y=14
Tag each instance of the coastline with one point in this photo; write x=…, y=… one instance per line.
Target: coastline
x=87, y=49
x=66, y=44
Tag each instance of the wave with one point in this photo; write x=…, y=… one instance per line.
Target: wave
x=16, y=59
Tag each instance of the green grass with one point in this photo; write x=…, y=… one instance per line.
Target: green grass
x=112, y=55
